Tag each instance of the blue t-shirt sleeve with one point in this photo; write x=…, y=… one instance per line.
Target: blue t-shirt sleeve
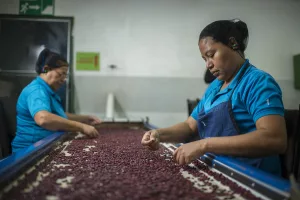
x=37, y=101
x=263, y=97
x=200, y=105
x=197, y=109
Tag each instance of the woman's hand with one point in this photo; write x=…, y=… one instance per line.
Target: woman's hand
x=186, y=153
x=93, y=120
x=151, y=140
x=89, y=130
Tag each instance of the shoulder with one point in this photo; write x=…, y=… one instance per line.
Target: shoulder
x=258, y=86
x=33, y=89
x=254, y=73
x=255, y=78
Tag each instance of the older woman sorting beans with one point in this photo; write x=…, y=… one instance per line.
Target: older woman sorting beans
x=39, y=109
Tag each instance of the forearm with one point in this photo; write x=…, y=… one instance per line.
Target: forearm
x=54, y=122
x=251, y=144
x=177, y=133
x=78, y=118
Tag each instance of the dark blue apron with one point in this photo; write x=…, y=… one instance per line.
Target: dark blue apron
x=219, y=121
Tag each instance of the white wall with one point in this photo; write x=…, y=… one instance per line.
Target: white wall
x=158, y=38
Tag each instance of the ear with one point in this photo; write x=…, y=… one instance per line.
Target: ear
x=46, y=69
x=233, y=43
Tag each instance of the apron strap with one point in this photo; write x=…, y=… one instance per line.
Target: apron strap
x=229, y=101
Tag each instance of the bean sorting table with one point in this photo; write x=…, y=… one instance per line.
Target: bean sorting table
x=116, y=166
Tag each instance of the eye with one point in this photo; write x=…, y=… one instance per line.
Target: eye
x=204, y=59
x=211, y=55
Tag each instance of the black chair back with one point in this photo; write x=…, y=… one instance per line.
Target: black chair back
x=290, y=159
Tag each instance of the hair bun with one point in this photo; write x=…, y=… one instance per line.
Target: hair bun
x=243, y=30
x=235, y=20
x=45, y=52
x=41, y=60
x=222, y=30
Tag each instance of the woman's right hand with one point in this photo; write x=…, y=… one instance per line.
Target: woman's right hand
x=151, y=140
x=89, y=130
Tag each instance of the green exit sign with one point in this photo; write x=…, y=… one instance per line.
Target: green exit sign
x=36, y=7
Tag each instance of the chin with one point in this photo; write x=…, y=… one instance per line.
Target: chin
x=57, y=87
x=220, y=78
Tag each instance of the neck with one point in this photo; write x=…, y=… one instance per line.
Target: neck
x=44, y=77
x=239, y=64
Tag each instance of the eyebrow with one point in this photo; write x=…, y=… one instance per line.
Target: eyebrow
x=63, y=72
x=205, y=54
x=209, y=51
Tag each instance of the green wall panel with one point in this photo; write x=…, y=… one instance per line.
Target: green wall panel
x=297, y=71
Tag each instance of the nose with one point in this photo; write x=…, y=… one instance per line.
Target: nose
x=209, y=64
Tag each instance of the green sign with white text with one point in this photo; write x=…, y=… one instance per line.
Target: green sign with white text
x=36, y=7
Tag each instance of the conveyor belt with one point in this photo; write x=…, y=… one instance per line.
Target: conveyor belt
x=116, y=166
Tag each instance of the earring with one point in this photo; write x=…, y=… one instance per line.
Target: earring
x=45, y=69
x=235, y=46
x=233, y=43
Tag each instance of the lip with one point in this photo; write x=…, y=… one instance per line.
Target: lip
x=215, y=73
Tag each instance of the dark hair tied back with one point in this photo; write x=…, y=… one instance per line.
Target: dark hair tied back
x=222, y=30
x=52, y=59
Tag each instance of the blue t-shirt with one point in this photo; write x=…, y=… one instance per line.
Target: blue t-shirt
x=35, y=97
x=257, y=95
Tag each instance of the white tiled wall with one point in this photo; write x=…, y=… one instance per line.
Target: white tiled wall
x=157, y=41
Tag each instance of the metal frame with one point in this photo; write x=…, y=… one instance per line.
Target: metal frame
x=14, y=165
x=70, y=22
x=267, y=184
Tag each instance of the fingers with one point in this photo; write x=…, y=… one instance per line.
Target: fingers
x=95, y=133
x=177, y=154
x=95, y=121
x=92, y=135
x=181, y=160
x=92, y=120
x=91, y=131
x=146, y=139
x=150, y=141
x=187, y=160
x=180, y=157
x=153, y=137
x=154, y=146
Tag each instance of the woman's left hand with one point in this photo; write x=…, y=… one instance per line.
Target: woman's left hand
x=186, y=153
x=93, y=120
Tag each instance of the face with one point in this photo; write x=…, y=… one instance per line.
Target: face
x=219, y=58
x=57, y=76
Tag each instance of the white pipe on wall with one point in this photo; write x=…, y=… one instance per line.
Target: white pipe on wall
x=110, y=106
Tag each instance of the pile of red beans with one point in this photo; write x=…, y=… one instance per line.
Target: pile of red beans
x=116, y=166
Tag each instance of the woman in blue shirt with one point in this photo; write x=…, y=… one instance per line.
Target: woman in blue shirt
x=39, y=109
x=241, y=113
